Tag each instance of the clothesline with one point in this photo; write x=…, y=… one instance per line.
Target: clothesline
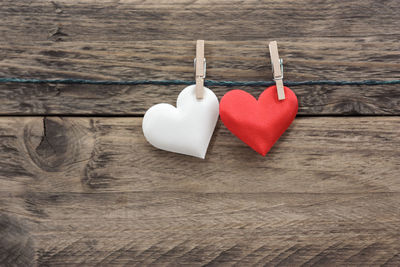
x=188, y=82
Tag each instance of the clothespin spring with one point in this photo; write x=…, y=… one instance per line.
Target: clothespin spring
x=278, y=77
x=204, y=67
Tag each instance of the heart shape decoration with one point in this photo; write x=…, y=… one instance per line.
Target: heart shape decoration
x=260, y=123
x=186, y=129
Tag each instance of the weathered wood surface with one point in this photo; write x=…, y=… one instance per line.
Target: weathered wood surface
x=125, y=40
x=90, y=191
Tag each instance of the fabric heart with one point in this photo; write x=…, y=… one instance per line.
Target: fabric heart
x=186, y=129
x=260, y=123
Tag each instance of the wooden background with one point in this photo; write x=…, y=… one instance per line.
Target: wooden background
x=80, y=186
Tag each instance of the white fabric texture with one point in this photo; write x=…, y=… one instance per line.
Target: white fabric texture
x=186, y=129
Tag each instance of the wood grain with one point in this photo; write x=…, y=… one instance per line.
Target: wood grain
x=91, y=191
x=125, y=40
x=135, y=20
x=87, y=190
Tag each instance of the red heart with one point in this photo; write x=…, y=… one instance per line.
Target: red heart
x=260, y=123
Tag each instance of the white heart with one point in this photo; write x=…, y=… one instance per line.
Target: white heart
x=186, y=129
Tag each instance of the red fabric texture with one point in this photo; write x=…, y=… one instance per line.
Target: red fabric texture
x=260, y=123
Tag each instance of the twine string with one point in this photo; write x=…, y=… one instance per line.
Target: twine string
x=188, y=82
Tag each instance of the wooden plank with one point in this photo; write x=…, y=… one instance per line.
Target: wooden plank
x=111, y=154
x=125, y=40
x=91, y=191
x=135, y=20
x=304, y=60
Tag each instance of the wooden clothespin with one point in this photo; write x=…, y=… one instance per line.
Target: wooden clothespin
x=200, y=69
x=277, y=69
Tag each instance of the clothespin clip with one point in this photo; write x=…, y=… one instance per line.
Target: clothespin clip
x=277, y=69
x=200, y=69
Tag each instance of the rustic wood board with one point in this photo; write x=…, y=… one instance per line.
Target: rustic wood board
x=92, y=191
x=125, y=40
x=87, y=190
